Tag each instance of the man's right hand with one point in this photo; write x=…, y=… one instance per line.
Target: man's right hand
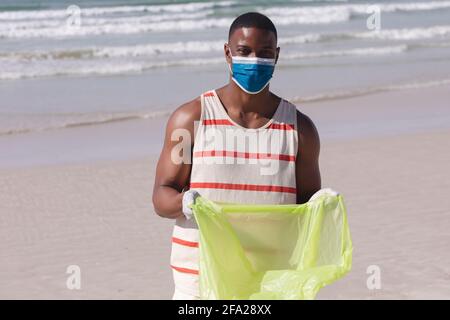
x=188, y=200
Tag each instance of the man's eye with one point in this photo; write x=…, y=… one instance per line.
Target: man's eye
x=243, y=52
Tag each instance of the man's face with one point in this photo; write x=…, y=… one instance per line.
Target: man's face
x=252, y=42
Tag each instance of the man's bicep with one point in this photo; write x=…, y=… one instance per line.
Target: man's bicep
x=307, y=164
x=170, y=171
x=174, y=164
x=308, y=180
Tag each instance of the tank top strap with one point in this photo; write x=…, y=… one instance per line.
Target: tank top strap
x=287, y=115
x=210, y=109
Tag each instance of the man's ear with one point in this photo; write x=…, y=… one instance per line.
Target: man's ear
x=227, y=52
x=277, y=55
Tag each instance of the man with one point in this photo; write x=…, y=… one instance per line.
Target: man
x=222, y=170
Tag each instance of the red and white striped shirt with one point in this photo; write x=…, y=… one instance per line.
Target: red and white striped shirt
x=235, y=164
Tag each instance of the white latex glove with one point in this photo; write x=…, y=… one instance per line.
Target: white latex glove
x=323, y=191
x=188, y=200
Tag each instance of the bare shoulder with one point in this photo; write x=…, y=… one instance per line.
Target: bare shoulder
x=185, y=115
x=308, y=136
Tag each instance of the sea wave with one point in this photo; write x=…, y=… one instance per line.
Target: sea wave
x=199, y=6
x=356, y=9
x=8, y=26
x=405, y=34
x=88, y=68
x=129, y=26
x=151, y=49
x=100, y=11
x=61, y=30
x=384, y=34
x=179, y=47
x=179, y=17
x=24, y=70
x=369, y=51
x=139, y=50
x=182, y=47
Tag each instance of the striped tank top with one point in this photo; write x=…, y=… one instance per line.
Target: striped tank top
x=235, y=164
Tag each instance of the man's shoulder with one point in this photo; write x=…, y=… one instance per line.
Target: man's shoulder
x=307, y=130
x=186, y=114
x=304, y=121
x=189, y=109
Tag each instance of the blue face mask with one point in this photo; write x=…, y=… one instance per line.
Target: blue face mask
x=252, y=74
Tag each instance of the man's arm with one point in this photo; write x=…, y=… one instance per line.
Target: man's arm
x=172, y=177
x=307, y=162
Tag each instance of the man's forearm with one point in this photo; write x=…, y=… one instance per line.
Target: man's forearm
x=168, y=202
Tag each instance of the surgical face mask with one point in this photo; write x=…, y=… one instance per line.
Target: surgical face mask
x=251, y=74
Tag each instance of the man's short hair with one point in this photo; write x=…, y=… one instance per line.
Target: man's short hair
x=252, y=20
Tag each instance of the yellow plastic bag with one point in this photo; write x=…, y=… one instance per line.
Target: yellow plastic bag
x=272, y=251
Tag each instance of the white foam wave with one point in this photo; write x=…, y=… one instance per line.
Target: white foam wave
x=55, y=29
x=312, y=15
x=136, y=25
x=62, y=30
x=357, y=9
x=178, y=17
x=186, y=47
x=370, y=51
x=199, y=6
x=23, y=70
x=179, y=47
x=210, y=46
x=413, y=6
x=152, y=49
x=99, y=11
x=405, y=34
x=43, y=24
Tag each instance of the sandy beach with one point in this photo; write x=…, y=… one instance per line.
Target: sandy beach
x=389, y=159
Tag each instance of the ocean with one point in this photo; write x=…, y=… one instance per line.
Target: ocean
x=75, y=63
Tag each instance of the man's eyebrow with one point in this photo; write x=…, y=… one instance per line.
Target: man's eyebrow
x=246, y=46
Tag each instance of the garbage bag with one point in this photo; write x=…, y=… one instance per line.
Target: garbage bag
x=272, y=252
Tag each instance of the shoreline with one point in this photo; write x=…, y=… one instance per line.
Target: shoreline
x=375, y=115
